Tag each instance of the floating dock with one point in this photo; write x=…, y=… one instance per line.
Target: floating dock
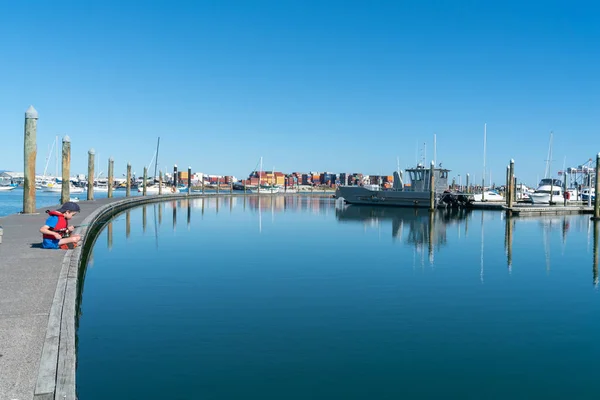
x=528, y=209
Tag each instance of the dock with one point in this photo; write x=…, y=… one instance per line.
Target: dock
x=528, y=209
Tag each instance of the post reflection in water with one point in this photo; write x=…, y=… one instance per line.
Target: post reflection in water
x=508, y=240
x=430, y=241
x=217, y=204
x=230, y=204
x=109, y=235
x=189, y=213
x=595, y=250
x=144, y=218
x=127, y=224
x=174, y=205
x=160, y=208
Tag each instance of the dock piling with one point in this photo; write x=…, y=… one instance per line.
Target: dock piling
x=65, y=192
x=432, y=187
x=468, y=187
x=128, y=183
x=507, y=186
x=189, y=181
x=144, y=191
x=111, y=177
x=511, y=183
x=160, y=182
x=175, y=177
x=90, y=188
x=30, y=154
x=597, y=190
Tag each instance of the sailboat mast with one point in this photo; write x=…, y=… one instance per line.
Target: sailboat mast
x=156, y=161
x=484, y=149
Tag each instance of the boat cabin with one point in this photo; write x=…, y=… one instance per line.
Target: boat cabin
x=420, y=179
x=550, y=182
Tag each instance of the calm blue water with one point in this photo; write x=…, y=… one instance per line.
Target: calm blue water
x=12, y=202
x=295, y=299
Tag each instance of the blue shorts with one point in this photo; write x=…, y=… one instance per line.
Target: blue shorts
x=50, y=243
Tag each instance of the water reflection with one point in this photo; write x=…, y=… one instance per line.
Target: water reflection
x=595, y=256
x=424, y=228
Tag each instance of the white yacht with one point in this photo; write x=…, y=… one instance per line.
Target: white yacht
x=548, y=190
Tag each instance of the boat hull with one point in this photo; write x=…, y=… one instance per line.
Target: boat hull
x=544, y=198
x=6, y=188
x=360, y=195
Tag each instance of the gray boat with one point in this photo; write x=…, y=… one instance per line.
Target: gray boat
x=415, y=195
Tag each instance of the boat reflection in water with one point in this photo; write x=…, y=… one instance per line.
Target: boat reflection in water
x=420, y=226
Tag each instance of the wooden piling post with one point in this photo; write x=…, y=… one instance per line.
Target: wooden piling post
x=189, y=182
x=511, y=182
x=175, y=177
x=432, y=187
x=144, y=190
x=565, y=185
x=468, y=187
x=218, y=185
x=90, y=188
x=30, y=154
x=507, y=186
x=65, y=193
x=231, y=187
x=160, y=182
x=128, y=183
x=111, y=177
x=597, y=190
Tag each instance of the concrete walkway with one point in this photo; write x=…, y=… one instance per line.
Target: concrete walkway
x=28, y=283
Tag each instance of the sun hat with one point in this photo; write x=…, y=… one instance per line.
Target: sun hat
x=69, y=206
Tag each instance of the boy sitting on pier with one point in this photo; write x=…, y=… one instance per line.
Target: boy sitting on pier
x=56, y=232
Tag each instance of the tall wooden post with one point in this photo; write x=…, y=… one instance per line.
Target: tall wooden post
x=218, y=183
x=159, y=183
x=90, y=188
x=30, y=154
x=565, y=185
x=468, y=187
x=175, y=177
x=128, y=183
x=597, y=189
x=511, y=182
x=203, y=186
x=189, y=182
x=144, y=184
x=432, y=187
x=65, y=193
x=507, y=187
x=111, y=177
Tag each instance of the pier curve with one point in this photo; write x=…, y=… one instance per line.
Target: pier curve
x=56, y=375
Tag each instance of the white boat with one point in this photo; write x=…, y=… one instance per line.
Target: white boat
x=488, y=195
x=548, y=189
x=266, y=189
x=6, y=188
x=57, y=188
x=154, y=189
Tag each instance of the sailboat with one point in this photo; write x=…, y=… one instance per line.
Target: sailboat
x=264, y=188
x=549, y=191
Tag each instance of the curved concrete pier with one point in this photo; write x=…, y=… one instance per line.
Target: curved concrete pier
x=38, y=291
x=38, y=299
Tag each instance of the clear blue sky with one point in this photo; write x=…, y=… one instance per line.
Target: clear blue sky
x=308, y=85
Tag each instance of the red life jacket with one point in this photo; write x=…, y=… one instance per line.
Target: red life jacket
x=60, y=227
